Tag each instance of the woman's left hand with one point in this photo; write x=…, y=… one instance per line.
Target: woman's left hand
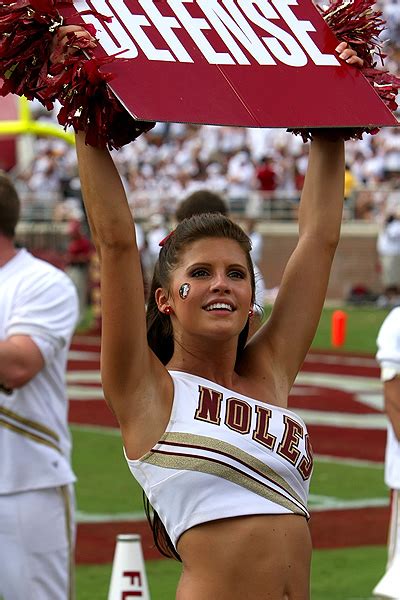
x=349, y=55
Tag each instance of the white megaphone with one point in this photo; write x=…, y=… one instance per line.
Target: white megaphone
x=389, y=585
x=128, y=577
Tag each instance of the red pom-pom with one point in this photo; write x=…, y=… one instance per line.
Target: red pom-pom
x=360, y=25
x=26, y=35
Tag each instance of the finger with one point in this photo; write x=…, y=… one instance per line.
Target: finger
x=355, y=60
x=346, y=54
x=81, y=34
x=65, y=29
x=68, y=40
x=351, y=57
x=342, y=46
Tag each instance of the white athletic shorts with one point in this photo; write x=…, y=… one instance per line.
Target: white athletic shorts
x=37, y=539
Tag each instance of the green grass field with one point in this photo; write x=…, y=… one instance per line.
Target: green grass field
x=345, y=574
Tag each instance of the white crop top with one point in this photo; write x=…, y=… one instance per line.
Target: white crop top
x=224, y=455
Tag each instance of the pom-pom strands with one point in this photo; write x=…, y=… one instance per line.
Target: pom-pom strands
x=358, y=24
x=26, y=34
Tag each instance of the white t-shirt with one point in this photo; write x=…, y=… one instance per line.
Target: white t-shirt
x=388, y=243
x=388, y=356
x=40, y=301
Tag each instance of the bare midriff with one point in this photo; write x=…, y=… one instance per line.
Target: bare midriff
x=260, y=557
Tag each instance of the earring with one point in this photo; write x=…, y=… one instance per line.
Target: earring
x=167, y=310
x=251, y=313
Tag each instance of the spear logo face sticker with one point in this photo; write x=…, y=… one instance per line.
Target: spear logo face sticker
x=184, y=290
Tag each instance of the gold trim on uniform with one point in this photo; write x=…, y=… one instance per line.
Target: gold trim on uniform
x=176, y=459
x=64, y=489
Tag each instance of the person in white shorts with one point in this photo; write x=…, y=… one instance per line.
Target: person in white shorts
x=388, y=356
x=38, y=315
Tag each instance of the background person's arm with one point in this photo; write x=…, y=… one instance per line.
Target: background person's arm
x=392, y=403
x=20, y=361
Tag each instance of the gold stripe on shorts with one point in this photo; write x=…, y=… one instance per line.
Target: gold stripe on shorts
x=64, y=489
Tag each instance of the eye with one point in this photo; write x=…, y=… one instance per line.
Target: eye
x=199, y=273
x=237, y=274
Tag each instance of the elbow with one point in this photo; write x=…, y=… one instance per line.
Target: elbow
x=332, y=243
x=19, y=376
x=114, y=243
x=326, y=243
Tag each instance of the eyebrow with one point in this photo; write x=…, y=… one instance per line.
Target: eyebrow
x=209, y=265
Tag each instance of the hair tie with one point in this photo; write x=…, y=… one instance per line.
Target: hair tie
x=165, y=240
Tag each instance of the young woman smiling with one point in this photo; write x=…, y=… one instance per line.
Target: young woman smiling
x=203, y=414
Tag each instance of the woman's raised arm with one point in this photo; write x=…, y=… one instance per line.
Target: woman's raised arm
x=280, y=346
x=128, y=367
x=283, y=342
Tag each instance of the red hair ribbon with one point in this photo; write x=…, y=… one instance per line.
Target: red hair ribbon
x=165, y=240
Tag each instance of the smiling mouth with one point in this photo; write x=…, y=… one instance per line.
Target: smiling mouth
x=219, y=306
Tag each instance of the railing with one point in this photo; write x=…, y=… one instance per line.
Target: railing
x=364, y=204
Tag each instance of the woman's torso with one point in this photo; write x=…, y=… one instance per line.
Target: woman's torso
x=226, y=455
x=262, y=557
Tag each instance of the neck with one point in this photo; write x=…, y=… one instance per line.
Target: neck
x=7, y=250
x=216, y=363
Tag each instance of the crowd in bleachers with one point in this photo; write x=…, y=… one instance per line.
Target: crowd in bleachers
x=255, y=170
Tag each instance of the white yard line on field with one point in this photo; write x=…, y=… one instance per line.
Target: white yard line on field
x=83, y=355
x=348, y=383
x=83, y=517
x=84, y=376
x=346, y=420
x=317, y=504
x=339, y=359
x=320, y=503
x=350, y=462
x=84, y=392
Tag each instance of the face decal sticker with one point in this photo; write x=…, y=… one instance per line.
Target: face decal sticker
x=184, y=290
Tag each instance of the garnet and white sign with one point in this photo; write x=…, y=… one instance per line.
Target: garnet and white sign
x=262, y=63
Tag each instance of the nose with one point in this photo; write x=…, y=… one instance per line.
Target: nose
x=221, y=283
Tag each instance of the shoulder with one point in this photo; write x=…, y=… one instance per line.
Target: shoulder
x=45, y=290
x=41, y=274
x=392, y=319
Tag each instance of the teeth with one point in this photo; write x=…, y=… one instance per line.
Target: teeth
x=219, y=305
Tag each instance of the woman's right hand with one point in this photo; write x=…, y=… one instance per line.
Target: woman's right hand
x=70, y=40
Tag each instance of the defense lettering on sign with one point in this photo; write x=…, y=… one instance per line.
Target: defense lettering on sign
x=270, y=32
x=250, y=63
